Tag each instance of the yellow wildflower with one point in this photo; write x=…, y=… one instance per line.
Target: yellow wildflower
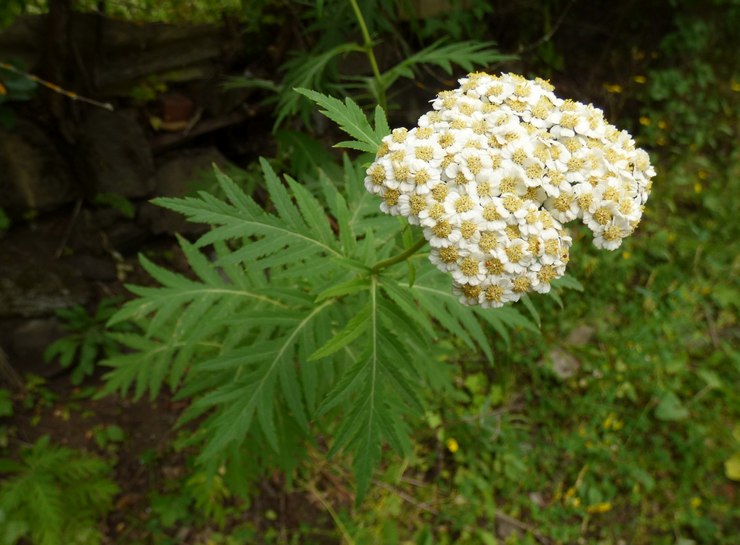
x=602, y=507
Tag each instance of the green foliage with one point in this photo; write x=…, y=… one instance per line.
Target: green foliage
x=4, y=219
x=318, y=71
x=465, y=19
x=108, y=437
x=334, y=29
x=54, y=495
x=117, y=202
x=692, y=94
x=88, y=339
x=296, y=322
x=10, y=9
x=203, y=492
x=6, y=403
x=6, y=410
x=351, y=119
x=36, y=392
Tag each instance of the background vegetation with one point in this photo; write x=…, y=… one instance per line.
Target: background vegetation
x=606, y=416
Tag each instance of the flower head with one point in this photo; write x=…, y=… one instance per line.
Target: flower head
x=493, y=171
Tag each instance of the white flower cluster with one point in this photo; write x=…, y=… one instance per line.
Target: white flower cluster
x=494, y=171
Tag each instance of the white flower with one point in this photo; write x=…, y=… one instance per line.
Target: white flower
x=495, y=168
x=442, y=233
x=564, y=207
x=496, y=293
x=468, y=294
x=469, y=270
x=445, y=258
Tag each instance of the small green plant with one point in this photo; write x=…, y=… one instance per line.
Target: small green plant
x=88, y=340
x=117, y=202
x=54, y=496
x=36, y=393
x=333, y=28
x=108, y=437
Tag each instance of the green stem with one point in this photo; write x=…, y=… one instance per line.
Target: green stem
x=368, y=47
x=403, y=256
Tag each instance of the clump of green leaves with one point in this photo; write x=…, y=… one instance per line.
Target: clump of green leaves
x=332, y=29
x=691, y=92
x=88, y=340
x=54, y=496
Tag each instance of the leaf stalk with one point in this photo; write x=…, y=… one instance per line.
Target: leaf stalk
x=403, y=256
x=368, y=48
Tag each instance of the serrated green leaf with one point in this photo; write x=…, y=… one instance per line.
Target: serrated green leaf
x=467, y=54
x=406, y=304
x=567, y=281
x=350, y=381
x=354, y=328
x=344, y=288
x=381, y=122
x=305, y=70
x=313, y=213
x=529, y=305
x=280, y=197
x=350, y=118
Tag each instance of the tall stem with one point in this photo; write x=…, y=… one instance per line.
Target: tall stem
x=403, y=256
x=368, y=47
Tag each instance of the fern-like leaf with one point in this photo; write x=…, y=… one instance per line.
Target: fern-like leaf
x=306, y=70
x=56, y=494
x=466, y=54
x=352, y=120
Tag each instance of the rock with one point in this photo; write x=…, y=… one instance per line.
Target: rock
x=33, y=283
x=32, y=289
x=564, y=365
x=26, y=341
x=505, y=529
x=117, y=153
x=580, y=336
x=35, y=176
x=20, y=41
x=102, y=269
x=127, y=236
x=537, y=498
x=179, y=174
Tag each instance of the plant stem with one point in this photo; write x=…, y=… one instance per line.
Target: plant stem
x=368, y=47
x=403, y=256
